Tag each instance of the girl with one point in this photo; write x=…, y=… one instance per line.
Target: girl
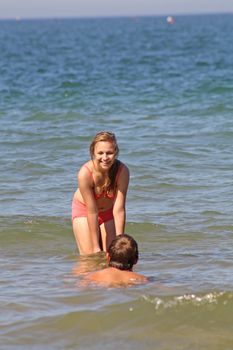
x=98, y=207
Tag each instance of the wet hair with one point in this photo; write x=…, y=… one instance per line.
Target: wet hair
x=106, y=136
x=123, y=252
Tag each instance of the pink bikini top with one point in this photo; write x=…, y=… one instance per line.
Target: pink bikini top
x=104, y=194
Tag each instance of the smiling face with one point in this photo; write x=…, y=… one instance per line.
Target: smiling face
x=104, y=155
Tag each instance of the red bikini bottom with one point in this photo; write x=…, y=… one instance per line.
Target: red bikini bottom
x=80, y=210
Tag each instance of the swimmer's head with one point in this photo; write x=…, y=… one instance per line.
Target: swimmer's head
x=123, y=252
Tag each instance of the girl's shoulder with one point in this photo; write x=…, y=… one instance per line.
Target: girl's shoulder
x=87, y=166
x=122, y=169
x=121, y=165
x=86, y=170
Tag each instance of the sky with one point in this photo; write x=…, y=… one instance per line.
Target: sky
x=97, y=8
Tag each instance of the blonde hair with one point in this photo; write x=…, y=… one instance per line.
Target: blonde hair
x=106, y=136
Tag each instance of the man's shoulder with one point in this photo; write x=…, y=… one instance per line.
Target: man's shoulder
x=114, y=277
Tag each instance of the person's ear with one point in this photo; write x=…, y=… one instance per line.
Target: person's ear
x=107, y=257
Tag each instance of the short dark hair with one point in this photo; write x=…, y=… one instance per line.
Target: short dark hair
x=123, y=252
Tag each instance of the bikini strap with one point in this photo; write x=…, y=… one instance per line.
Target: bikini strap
x=117, y=175
x=89, y=170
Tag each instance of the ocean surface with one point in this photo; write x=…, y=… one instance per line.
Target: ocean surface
x=166, y=91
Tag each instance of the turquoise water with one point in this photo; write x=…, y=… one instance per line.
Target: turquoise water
x=166, y=91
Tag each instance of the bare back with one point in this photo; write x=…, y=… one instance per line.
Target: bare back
x=112, y=277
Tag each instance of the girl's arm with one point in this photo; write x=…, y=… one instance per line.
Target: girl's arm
x=119, y=212
x=86, y=188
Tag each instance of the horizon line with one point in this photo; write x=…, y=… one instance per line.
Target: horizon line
x=21, y=18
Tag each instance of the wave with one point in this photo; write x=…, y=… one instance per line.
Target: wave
x=146, y=322
x=216, y=299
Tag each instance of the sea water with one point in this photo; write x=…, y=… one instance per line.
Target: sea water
x=166, y=92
